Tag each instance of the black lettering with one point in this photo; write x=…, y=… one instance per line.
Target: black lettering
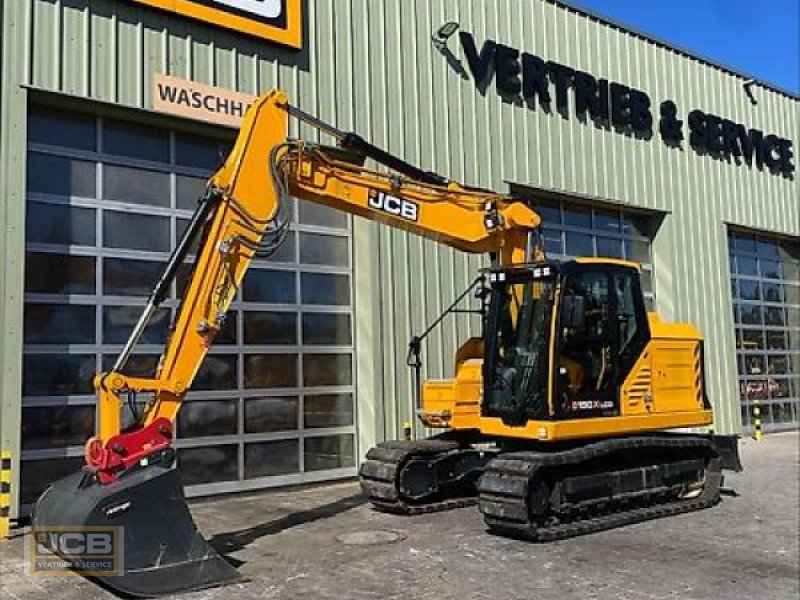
x=507, y=70
x=669, y=125
x=183, y=97
x=620, y=105
x=479, y=64
x=208, y=103
x=237, y=109
x=592, y=95
x=562, y=78
x=534, y=79
x=197, y=99
x=600, y=111
x=222, y=105
x=770, y=146
x=167, y=93
x=785, y=165
x=391, y=205
x=745, y=144
x=757, y=143
x=730, y=137
x=641, y=117
x=585, y=92
x=714, y=128
x=698, y=136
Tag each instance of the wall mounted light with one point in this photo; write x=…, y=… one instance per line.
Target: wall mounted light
x=444, y=33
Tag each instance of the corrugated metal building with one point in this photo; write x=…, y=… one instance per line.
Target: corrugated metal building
x=689, y=171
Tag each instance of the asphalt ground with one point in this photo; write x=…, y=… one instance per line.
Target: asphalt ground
x=310, y=543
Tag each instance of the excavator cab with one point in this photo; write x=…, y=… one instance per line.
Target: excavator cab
x=575, y=328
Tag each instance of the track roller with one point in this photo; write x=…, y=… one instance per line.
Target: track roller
x=412, y=477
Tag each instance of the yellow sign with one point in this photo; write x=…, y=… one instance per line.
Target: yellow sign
x=199, y=101
x=274, y=20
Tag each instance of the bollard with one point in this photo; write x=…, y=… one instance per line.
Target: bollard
x=5, y=493
x=758, y=433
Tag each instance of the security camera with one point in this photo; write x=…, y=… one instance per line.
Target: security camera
x=748, y=82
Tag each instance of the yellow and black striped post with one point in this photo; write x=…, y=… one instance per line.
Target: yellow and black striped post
x=758, y=433
x=5, y=493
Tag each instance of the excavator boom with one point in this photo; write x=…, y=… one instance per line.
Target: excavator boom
x=129, y=480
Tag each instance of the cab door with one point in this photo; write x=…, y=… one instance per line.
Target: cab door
x=585, y=349
x=602, y=325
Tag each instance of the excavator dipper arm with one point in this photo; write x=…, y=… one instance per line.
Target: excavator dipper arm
x=128, y=479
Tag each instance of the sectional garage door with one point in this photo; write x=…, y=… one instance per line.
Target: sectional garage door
x=766, y=307
x=106, y=200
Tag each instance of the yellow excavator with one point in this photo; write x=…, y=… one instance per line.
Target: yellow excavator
x=555, y=423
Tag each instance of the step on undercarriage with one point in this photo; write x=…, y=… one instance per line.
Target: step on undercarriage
x=544, y=496
x=421, y=476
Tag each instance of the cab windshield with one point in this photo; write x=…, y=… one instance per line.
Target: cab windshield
x=519, y=332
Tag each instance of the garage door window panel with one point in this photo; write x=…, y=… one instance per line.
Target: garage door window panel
x=271, y=413
x=325, y=289
x=203, y=418
x=122, y=138
x=59, y=224
x=48, y=125
x=265, y=459
x=320, y=249
x=327, y=369
x=188, y=190
x=136, y=232
x=198, y=152
x=58, y=374
x=218, y=372
x=270, y=371
x=328, y=410
x=56, y=426
x=119, y=321
x=128, y=277
x=270, y=328
x=137, y=186
x=59, y=324
x=60, y=175
x=329, y=452
x=270, y=286
x=324, y=329
x=208, y=464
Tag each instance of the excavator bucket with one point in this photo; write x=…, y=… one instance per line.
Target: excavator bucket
x=162, y=551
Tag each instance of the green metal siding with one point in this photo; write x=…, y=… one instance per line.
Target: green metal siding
x=370, y=65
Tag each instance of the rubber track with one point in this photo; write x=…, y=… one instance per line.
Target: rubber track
x=503, y=497
x=378, y=476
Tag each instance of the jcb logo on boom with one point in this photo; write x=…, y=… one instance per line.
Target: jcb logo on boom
x=405, y=209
